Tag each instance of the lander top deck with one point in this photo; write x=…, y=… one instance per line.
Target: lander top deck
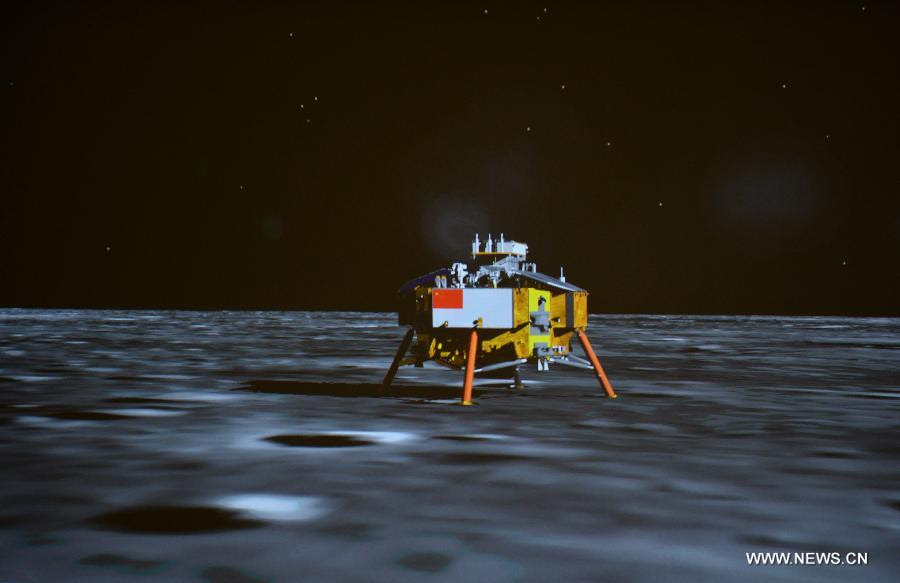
x=503, y=248
x=496, y=264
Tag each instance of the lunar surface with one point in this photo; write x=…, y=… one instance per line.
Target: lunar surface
x=259, y=446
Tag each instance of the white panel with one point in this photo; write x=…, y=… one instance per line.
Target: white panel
x=513, y=247
x=493, y=306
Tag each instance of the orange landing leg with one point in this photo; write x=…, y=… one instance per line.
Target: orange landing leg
x=401, y=352
x=517, y=380
x=586, y=344
x=470, y=369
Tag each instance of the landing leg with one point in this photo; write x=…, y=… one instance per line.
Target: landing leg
x=470, y=369
x=517, y=380
x=586, y=344
x=401, y=352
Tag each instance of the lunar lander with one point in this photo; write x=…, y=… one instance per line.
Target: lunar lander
x=493, y=315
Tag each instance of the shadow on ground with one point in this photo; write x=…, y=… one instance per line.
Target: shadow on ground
x=369, y=390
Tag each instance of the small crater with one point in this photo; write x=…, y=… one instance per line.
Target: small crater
x=761, y=540
x=689, y=349
x=124, y=378
x=835, y=454
x=885, y=448
x=895, y=504
x=319, y=440
x=78, y=415
x=111, y=560
x=179, y=466
x=34, y=539
x=425, y=562
x=173, y=520
x=461, y=437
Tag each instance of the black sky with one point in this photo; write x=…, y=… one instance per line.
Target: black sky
x=173, y=134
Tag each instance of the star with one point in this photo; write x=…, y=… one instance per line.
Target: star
x=242, y=187
x=563, y=86
x=784, y=85
x=538, y=17
x=301, y=106
x=528, y=129
x=827, y=136
x=107, y=247
x=608, y=144
x=290, y=34
x=315, y=98
x=485, y=10
x=844, y=263
x=307, y=120
x=660, y=204
x=545, y=10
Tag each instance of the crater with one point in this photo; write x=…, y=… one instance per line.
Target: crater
x=178, y=466
x=835, y=454
x=173, y=520
x=112, y=560
x=319, y=440
x=80, y=415
x=462, y=437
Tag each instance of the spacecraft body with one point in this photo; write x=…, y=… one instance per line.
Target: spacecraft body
x=519, y=312
x=493, y=315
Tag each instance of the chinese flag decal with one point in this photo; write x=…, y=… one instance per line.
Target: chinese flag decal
x=447, y=298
